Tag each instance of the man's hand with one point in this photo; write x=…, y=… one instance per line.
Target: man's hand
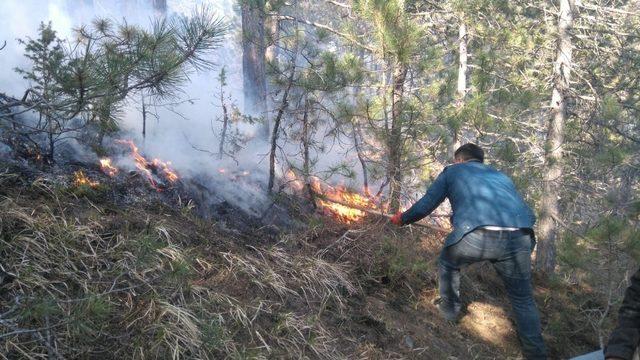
x=397, y=218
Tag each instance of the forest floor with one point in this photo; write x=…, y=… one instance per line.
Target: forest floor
x=98, y=278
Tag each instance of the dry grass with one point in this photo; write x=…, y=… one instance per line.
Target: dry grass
x=100, y=281
x=92, y=284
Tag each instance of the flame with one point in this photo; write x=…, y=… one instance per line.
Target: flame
x=107, y=168
x=341, y=212
x=293, y=181
x=168, y=172
x=346, y=209
x=80, y=179
x=150, y=169
x=338, y=202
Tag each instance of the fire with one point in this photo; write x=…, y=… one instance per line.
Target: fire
x=347, y=205
x=338, y=202
x=169, y=173
x=107, y=168
x=80, y=179
x=293, y=181
x=341, y=212
x=151, y=169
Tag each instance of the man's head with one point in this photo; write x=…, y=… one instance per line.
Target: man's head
x=468, y=152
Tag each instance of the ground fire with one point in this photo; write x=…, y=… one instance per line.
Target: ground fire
x=107, y=167
x=80, y=179
x=157, y=172
x=343, y=205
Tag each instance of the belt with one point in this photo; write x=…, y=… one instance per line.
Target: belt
x=506, y=231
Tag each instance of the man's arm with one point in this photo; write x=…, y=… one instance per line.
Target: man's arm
x=435, y=195
x=626, y=336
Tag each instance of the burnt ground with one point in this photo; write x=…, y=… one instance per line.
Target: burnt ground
x=122, y=270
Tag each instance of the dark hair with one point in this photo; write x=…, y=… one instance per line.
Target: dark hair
x=469, y=151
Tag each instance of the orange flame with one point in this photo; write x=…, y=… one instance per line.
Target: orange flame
x=148, y=168
x=79, y=179
x=107, y=168
x=347, y=205
x=293, y=181
x=168, y=172
x=347, y=209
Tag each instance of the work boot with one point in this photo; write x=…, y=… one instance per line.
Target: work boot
x=451, y=313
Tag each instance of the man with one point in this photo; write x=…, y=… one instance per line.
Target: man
x=491, y=222
x=625, y=339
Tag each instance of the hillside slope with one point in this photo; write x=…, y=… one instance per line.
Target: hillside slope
x=98, y=278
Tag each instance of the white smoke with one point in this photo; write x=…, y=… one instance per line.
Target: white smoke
x=174, y=132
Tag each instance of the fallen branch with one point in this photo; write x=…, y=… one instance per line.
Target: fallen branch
x=381, y=214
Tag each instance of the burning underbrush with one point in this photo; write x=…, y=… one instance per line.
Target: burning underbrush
x=124, y=262
x=344, y=205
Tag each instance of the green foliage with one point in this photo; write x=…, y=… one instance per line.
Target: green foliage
x=574, y=253
x=394, y=31
x=109, y=62
x=89, y=316
x=146, y=247
x=95, y=193
x=610, y=108
x=401, y=263
x=213, y=334
x=39, y=309
x=181, y=271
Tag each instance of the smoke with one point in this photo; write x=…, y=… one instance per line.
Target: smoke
x=184, y=130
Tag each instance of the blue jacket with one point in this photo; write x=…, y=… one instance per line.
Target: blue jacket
x=479, y=195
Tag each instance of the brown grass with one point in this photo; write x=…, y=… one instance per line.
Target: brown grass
x=96, y=280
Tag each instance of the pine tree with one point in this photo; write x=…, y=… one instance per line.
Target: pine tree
x=88, y=82
x=547, y=234
x=253, y=61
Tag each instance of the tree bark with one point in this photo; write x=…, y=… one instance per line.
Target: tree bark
x=144, y=117
x=253, y=62
x=549, y=209
x=273, y=28
x=462, y=85
x=225, y=122
x=363, y=163
x=395, y=138
x=306, y=139
x=160, y=6
x=275, y=132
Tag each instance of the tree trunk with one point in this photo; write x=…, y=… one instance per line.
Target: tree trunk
x=273, y=28
x=462, y=85
x=395, y=138
x=225, y=122
x=306, y=139
x=144, y=118
x=275, y=132
x=160, y=6
x=51, y=139
x=549, y=209
x=363, y=163
x=253, y=62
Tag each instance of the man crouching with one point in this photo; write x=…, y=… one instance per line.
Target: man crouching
x=491, y=222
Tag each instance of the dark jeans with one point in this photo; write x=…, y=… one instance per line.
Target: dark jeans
x=510, y=254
